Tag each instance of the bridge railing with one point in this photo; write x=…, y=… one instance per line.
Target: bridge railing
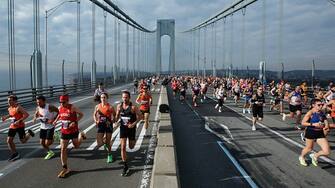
x=27, y=96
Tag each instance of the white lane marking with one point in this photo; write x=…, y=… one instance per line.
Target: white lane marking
x=116, y=142
x=218, y=135
x=30, y=121
x=139, y=139
x=326, y=159
x=92, y=146
x=237, y=165
x=147, y=170
x=1, y=174
x=224, y=127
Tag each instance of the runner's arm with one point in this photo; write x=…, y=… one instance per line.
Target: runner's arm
x=138, y=116
x=24, y=112
x=79, y=113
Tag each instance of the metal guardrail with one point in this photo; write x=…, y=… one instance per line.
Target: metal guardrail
x=27, y=96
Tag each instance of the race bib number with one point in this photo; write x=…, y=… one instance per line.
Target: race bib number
x=65, y=124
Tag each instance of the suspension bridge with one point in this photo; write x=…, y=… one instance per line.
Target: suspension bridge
x=52, y=48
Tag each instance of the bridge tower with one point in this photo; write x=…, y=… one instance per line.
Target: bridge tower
x=165, y=27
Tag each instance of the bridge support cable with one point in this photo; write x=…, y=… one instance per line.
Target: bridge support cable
x=138, y=52
x=11, y=45
x=105, y=46
x=225, y=50
x=115, y=51
x=93, y=64
x=243, y=43
x=263, y=37
x=235, y=6
x=205, y=47
x=214, y=73
x=118, y=49
x=127, y=52
x=231, y=43
x=198, y=66
x=37, y=55
x=133, y=69
x=280, y=37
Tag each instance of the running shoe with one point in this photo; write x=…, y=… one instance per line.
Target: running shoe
x=302, y=161
x=298, y=127
x=125, y=171
x=302, y=137
x=109, y=158
x=314, y=159
x=32, y=134
x=63, y=173
x=249, y=112
x=201, y=100
x=49, y=155
x=220, y=109
x=284, y=117
x=216, y=106
x=253, y=128
x=243, y=111
x=14, y=156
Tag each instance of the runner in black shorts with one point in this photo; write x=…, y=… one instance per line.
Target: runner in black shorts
x=46, y=113
x=317, y=128
x=103, y=116
x=17, y=115
x=129, y=116
x=257, y=102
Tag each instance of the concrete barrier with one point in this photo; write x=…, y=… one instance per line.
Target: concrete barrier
x=165, y=171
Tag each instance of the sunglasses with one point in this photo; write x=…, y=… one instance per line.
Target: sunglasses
x=319, y=104
x=62, y=102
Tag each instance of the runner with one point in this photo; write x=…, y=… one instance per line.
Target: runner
x=295, y=106
x=236, y=90
x=46, y=113
x=135, y=86
x=203, y=86
x=195, y=92
x=183, y=88
x=220, y=95
x=174, y=86
x=103, y=117
x=17, y=115
x=145, y=100
x=98, y=92
x=129, y=116
x=257, y=102
x=317, y=127
x=247, y=97
x=69, y=116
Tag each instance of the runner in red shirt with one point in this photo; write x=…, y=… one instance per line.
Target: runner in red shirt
x=69, y=115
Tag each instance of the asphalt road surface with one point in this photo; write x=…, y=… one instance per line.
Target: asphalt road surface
x=220, y=149
x=88, y=167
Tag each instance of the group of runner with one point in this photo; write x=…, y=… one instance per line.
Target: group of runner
x=107, y=119
x=314, y=126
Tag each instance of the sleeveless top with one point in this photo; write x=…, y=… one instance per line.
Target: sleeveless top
x=295, y=99
x=45, y=115
x=14, y=116
x=127, y=116
x=316, y=118
x=144, y=101
x=105, y=113
x=67, y=116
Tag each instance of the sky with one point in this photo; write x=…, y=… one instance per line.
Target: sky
x=307, y=33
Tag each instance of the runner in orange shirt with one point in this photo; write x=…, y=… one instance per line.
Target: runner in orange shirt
x=145, y=100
